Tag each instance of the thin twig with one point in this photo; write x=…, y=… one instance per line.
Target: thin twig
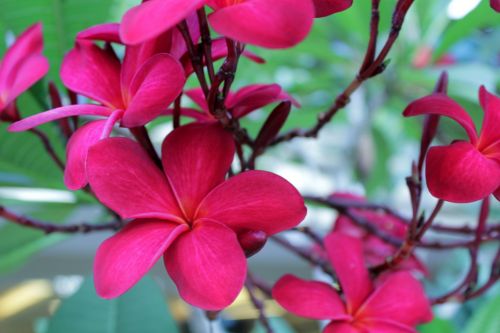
x=49, y=228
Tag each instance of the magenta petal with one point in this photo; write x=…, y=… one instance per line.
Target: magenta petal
x=255, y=200
x=196, y=158
x=123, y=259
x=58, y=113
x=107, y=32
x=270, y=24
x=442, y=105
x=125, y=179
x=75, y=175
x=153, y=17
x=191, y=113
x=401, y=299
x=310, y=299
x=342, y=327
x=497, y=194
x=28, y=73
x=495, y=4
x=207, y=265
x=198, y=97
x=490, y=132
x=460, y=173
x=155, y=86
x=346, y=255
x=93, y=72
x=329, y=7
x=29, y=43
x=252, y=97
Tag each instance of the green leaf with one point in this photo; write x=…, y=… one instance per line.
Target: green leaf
x=486, y=319
x=142, y=309
x=62, y=19
x=481, y=17
x=438, y=325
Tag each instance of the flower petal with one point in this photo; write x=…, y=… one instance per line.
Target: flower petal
x=123, y=259
x=28, y=72
x=29, y=43
x=252, y=97
x=329, y=7
x=497, y=194
x=207, y=265
x=196, y=158
x=346, y=255
x=460, y=173
x=490, y=132
x=310, y=299
x=495, y=4
x=58, y=113
x=198, y=97
x=341, y=327
x=94, y=73
x=255, y=200
x=107, y=32
x=442, y=105
x=270, y=24
x=155, y=86
x=75, y=175
x=153, y=17
x=401, y=299
x=125, y=179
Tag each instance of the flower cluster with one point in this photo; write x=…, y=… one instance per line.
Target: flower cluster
x=395, y=304
x=187, y=205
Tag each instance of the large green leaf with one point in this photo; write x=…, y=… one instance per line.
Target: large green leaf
x=486, y=319
x=61, y=19
x=18, y=243
x=142, y=309
x=481, y=17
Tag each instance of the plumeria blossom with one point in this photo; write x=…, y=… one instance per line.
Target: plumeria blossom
x=396, y=305
x=495, y=4
x=463, y=171
x=375, y=250
x=239, y=103
x=188, y=213
x=133, y=93
x=329, y=7
x=169, y=41
x=22, y=65
x=270, y=24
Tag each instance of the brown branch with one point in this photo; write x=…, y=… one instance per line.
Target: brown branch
x=49, y=228
x=366, y=71
x=257, y=303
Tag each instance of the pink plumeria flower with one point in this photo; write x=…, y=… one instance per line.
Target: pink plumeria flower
x=170, y=41
x=22, y=65
x=188, y=213
x=133, y=93
x=463, y=171
x=375, y=250
x=329, y=7
x=270, y=24
x=495, y=4
x=397, y=305
x=239, y=103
